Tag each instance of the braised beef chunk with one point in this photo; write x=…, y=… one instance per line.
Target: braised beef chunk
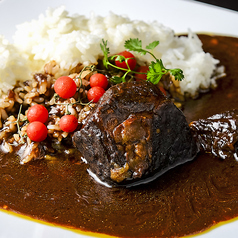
x=134, y=133
x=218, y=134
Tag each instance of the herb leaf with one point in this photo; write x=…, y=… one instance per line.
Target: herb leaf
x=177, y=73
x=116, y=79
x=152, y=45
x=105, y=51
x=154, y=74
x=135, y=45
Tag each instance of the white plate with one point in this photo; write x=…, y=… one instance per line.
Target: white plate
x=177, y=14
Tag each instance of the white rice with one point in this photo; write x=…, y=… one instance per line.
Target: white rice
x=13, y=65
x=70, y=40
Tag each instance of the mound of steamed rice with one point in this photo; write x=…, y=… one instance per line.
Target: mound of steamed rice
x=70, y=40
x=13, y=65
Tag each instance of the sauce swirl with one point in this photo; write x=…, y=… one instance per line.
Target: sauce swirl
x=186, y=200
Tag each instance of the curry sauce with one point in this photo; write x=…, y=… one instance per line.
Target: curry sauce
x=186, y=200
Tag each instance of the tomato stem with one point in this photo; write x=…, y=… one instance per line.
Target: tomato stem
x=18, y=125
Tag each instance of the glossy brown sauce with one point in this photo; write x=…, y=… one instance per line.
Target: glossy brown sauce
x=186, y=200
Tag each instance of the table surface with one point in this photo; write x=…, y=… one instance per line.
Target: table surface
x=229, y=4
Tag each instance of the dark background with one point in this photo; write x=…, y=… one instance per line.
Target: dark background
x=229, y=4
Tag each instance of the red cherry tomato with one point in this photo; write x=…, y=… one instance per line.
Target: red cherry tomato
x=68, y=123
x=141, y=69
x=131, y=62
x=36, y=131
x=99, y=80
x=37, y=113
x=95, y=93
x=65, y=87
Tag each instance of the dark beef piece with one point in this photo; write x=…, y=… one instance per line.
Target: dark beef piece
x=134, y=134
x=218, y=134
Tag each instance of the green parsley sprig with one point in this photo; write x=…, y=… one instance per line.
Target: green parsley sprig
x=156, y=67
